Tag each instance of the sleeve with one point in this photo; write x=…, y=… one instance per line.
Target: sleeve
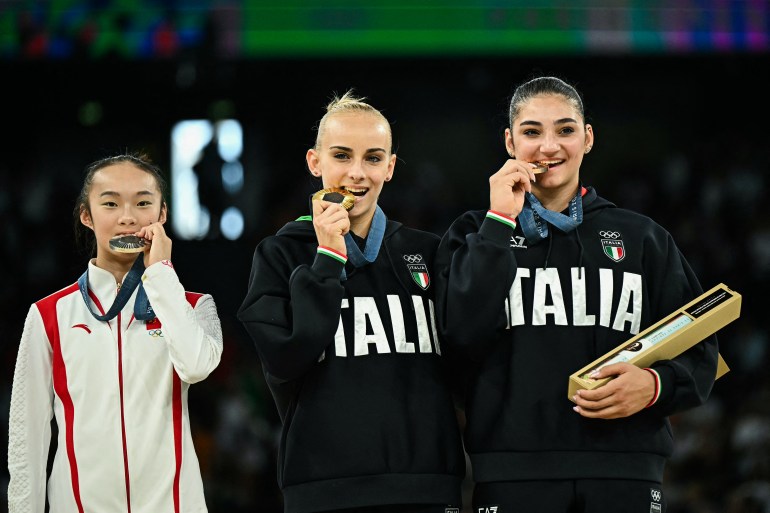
x=685, y=381
x=476, y=269
x=193, y=335
x=29, y=427
x=291, y=313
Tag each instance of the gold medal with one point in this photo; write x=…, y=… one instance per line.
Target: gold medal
x=128, y=244
x=336, y=195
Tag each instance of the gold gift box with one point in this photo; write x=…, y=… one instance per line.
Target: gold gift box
x=669, y=337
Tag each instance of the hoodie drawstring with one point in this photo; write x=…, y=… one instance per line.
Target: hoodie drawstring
x=580, y=260
x=550, y=245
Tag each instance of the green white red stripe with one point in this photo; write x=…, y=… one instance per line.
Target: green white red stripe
x=614, y=252
x=422, y=279
x=502, y=218
x=656, y=394
x=332, y=253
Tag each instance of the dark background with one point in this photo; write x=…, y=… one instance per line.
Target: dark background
x=680, y=136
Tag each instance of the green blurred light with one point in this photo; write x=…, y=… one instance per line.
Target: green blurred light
x=90, y=114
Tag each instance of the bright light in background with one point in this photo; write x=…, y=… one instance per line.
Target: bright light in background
x=232, y=223
x=232, y=177
x=197, y=146
x=229, y=140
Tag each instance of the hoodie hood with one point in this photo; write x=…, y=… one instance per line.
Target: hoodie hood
x=299, y=229
x=593, y=203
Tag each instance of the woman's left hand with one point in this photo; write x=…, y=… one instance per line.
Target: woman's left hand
x=629, y=392
x=159, y=247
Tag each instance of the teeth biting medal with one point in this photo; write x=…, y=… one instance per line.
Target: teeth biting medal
x=128, y=244
x=542, y=167
x=336, y=195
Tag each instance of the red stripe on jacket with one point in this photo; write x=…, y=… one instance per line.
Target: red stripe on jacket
x=47, y=309
x=176, y=409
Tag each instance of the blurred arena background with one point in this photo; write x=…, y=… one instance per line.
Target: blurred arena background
x=225, y=94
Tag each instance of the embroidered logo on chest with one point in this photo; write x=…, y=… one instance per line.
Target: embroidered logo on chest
x=153, y=328
x=612, y=245
x=517, y=241
x=418, y=270
x=84, y=327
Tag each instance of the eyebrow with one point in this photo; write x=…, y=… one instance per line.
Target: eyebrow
x=113, y=193
x=538, y=123
x=345, y=148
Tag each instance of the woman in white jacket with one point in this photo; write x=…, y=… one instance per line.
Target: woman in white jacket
x=111, y=358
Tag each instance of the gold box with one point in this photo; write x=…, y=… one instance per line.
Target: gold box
x=669, y=337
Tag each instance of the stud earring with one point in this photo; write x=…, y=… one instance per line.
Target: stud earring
x=588, y=149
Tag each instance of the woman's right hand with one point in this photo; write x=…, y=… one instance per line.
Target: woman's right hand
x=508, y=186
x=331, y=222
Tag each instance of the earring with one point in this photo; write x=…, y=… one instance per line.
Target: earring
x=588, y=149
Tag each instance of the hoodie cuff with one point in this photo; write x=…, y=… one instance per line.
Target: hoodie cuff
x=656, y=393
x=665, y=380
x=667, y=383
x=329, y=262
x=497, y=227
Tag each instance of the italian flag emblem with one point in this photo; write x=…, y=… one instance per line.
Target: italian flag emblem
x=418, y=270
x=614, y=249
x=421, y=278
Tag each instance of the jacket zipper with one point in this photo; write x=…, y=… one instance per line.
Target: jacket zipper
x=123, y=414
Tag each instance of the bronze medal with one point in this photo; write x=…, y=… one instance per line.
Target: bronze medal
x=541, y=167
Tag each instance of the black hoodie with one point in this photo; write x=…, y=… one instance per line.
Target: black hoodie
x=356, y=371
x=529, y=315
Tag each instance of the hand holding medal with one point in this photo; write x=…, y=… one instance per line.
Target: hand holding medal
x=159, y=243
x=152, y=240
x=508, y=186
x=332, y=223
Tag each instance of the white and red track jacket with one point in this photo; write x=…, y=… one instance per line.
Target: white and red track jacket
x=118, y=391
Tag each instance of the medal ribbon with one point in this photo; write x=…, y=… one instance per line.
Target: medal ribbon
x=534, y=217
x=142, y=309
x=373, y=242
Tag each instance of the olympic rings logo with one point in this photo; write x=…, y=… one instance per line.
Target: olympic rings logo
x=155, y=333
x=655, y=495
x=608, y=234
x=413, y=259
